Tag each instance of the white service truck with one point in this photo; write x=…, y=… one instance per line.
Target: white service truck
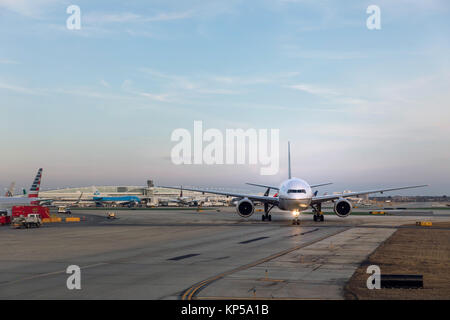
x=32, y=220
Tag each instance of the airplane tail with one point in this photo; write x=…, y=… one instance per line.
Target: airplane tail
x=289, y=159
x=10, y=191
x=34, y=190
x=95, y=190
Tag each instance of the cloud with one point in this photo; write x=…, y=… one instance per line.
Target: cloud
x=312, y=89
x=156, y=97
x=8, y=61
x=130, y=17
x=99, y=18
x=171, y=16
x=19, y=89
x=29, y=8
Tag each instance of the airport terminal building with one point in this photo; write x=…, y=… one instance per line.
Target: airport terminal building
x=149, y=195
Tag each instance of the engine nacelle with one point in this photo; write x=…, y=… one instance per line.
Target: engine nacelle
x=342, y=208
x=245, y=208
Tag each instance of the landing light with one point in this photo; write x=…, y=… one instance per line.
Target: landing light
x=295, y=213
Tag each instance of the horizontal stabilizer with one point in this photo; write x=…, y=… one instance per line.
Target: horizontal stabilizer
x=262, y=185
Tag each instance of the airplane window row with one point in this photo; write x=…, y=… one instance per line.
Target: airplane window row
x=296, y=191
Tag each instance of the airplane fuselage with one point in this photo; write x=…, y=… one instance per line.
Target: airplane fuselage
x=6, y=203
x=117, y=199
x=294, y=195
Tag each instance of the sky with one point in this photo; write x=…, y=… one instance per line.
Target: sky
x=97, y=106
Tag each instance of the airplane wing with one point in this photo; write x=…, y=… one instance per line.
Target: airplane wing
x=276, y=188
x=320, y=199
x=320, y=184
x=265, y=199
x=45, y=201
x=262, y=185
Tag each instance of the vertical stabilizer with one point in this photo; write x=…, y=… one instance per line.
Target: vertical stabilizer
x=10, y=191
x=289, y=159
x=34, y=190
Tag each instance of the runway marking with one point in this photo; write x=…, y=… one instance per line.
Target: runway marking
x=271, y=280
x=252, y=240
x=42, y=275
x=303, y=233
x=193, y=290
x=184, y=257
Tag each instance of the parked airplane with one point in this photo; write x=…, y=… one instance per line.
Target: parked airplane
x=122, y=200
x=6, y=203
x=185, y=201
x=294, y=195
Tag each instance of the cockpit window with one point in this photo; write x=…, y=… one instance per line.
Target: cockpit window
x=296, y=191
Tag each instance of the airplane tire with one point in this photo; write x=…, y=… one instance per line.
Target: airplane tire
x=263, y=218
x=322, y=218
x=270, y=217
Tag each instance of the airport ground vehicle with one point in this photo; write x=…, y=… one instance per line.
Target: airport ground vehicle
x=111, y=215
x=64, y=210
x=5, y=219
x=32, y=220
x=44, y=212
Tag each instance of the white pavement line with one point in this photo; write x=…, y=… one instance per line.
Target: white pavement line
x=42, y=275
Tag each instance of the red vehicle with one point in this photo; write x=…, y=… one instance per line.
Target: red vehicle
x=26, y=210
x=4, y=219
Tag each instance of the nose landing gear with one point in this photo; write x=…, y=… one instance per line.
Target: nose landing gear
x=296, y=215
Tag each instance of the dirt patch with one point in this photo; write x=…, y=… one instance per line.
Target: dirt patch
x=418, y=250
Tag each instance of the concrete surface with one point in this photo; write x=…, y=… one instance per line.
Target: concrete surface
x=159, y=254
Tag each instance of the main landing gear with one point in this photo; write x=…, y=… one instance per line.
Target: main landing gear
x=266, y=216
x=318, y=214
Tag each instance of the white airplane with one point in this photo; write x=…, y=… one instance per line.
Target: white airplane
x=185, y=201
x=6, y=203
x=294, y=195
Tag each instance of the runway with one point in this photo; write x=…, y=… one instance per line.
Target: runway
x=184, y=254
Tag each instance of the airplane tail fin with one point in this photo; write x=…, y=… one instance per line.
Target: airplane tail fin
x=34, y=190
x=95, y=190
x=289, y=159
x=10, y=191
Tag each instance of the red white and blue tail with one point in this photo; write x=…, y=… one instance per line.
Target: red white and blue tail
x=34, y=190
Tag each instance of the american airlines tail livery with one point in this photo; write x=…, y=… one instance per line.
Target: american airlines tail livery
x=6, y=203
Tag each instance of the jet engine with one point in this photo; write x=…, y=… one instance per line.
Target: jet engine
x=245, y=208
x=342, y=208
